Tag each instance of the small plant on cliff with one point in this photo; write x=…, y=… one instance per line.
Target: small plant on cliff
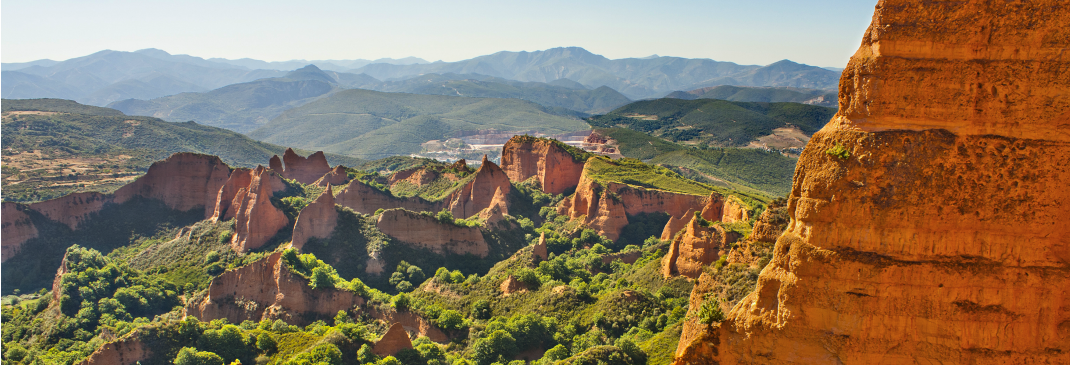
x=838, y=151
x=710, y=311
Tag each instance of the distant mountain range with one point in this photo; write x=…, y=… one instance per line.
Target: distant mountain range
x=108, y=76
x=637, y=78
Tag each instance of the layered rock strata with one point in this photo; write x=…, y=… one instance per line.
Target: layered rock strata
x=183, y=181
x=427, y=232
x=266, y=289
x=17, y=228
x=928, y=218
x=555, y=169
x=128, y=350
x=317, y=220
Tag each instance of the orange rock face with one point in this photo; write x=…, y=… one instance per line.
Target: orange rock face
x=479, y=193
x=183, y=181
x=72, y=209
x=227, y=199
x=605, y=207
x=694, y=248
x=257, y=219
x=510, y=285
x=304, y=170
x=336, y=177
x=411, y=322
x=365, y=199
x=395, y=339
x=128, y=350
x=17, y=228
x=318, y=219
x=539, y=250
x=942, y=237
x=423, y=231
x=267, y=290
x=525, y=157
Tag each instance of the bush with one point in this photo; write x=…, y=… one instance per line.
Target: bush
x=190, y=356
x=451, y=320
x=710, y=312
x=838, y=151
x=499, y=344
x=402, y=301
x=266, y=343
x=481, y=309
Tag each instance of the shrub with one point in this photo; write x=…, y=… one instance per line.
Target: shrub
x=838, y=151
x=499, y=344
x=451, y=319
x=402, y=301
x=481, y=309
x=265, y=342
x=710, y=312
x=190, y=356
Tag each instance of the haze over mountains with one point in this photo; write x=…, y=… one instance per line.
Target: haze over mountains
x=108, y=76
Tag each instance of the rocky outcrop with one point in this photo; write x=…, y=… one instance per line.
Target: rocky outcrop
x=538, y=251
x=928, y=219
x=266, y=289
x=695, y=247
x=72, y=209
x=511, y=285
x=317, y=220
x=411, y=322
x=227, y=199
x=674, y=225
x=479, y=192
x=304, y=170
x=524, y=157
x=337, y=176
x=257, y=219
x=17, y=228
x=395, y=339
x=427, y=232
x=366, y=199
x=183, y=181
x=605, y=206
x=126, y=351
x=499, y=207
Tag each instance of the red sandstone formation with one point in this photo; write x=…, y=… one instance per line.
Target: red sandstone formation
x=495, y=213
x=395, y=339
x=460, y=165
x=941, y=236
x=552, y=166
x=266, y=289
x=694, y=248
x=606, y=209
x=304, y=170
x=510, y=285
x=17, y=228
x=275, y=163
x=257, y=219
x=412, y=322
x=227, y=199
x=538, y=251
x=427, y=232
x=318, y=219
x=365, y=199
x=72, y=209
x=128, y=350
x=183, y=181
x=337, y=176
x=479, y=193
x=675, y=225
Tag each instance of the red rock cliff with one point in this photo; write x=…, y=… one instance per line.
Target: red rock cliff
x=423, y=231
x=128, y=350
x=318, y=219
x=267, y=290
x=183, y=181
x=257, y=219
x=556, y=170
x=17, y=228
x=365, y=199
x=479, y=193
x=942, y=237
x=395, y=339
x=304, y=170
x=694, y=248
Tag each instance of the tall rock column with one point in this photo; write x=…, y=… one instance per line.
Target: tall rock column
x=318, y=219
x=928, y=219
x=258, y=220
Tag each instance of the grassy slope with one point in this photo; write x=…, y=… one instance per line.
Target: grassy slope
x=714, y=122
x=758, y=94
x=598, y=100
x=743, y=169
x=370, y=124
x=91, y=148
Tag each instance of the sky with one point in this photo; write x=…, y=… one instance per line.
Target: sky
x=821, y=33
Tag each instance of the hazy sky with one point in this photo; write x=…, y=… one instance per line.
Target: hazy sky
x=821, y=33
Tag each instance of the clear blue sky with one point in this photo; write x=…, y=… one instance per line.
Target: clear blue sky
x=821, y=33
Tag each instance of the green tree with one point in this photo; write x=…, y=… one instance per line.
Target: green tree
x=365, y=355
x=442, y=275
x=324, y=354
x=389, y=360
x=402, y=302
x=499, y=344
x=266, y=343
x=190, y=356
x=451, y=319
x=481, y=309
x=322, y=277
